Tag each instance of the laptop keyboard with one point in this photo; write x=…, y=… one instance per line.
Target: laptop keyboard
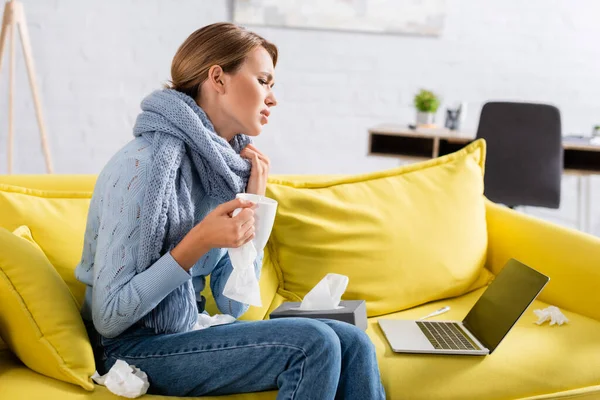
x=446, y=336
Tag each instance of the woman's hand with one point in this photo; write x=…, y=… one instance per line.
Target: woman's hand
x=217, y=229
x=257, y=184
x=220, y=229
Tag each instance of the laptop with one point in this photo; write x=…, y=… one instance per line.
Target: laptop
x=484, y=327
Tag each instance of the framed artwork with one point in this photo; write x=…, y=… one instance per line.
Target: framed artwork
x=406, y=17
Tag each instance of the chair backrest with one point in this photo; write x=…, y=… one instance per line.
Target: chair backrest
x=524, y=160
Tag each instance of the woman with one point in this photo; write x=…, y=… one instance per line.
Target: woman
x=160, y=221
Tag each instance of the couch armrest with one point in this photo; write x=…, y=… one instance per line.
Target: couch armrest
x=570, y=258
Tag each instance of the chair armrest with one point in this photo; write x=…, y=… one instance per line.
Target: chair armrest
x=570, y=258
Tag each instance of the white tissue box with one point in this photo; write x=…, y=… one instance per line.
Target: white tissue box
x=352, y=311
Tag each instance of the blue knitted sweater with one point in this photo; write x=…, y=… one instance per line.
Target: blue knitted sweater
x=120, y=293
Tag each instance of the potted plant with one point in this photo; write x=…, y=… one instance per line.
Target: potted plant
x=596, y=130
x=426, y=103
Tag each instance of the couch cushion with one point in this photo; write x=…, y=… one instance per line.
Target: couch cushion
x=57, y=220
x=520, y=367
x=39, y=318
x=532, y=360
x=395, y=234
x=62, y=182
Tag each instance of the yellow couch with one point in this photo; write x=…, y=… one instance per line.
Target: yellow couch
x=533, y=362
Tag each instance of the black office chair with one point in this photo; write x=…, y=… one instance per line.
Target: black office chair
x=524, y=160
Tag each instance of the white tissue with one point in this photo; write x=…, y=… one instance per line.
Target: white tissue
x=326, y=295
x=124, y=380
x=206, y=321
x=550, y=313
x=242, y=284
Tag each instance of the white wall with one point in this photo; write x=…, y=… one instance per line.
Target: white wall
x=97, y=59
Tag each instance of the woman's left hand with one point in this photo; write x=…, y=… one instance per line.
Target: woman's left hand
x=257, y=184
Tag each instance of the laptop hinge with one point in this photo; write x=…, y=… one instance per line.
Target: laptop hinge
x=471, y=336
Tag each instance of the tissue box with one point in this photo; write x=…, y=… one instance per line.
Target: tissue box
x=353, y=312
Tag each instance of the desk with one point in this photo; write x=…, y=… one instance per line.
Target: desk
x=580, y=156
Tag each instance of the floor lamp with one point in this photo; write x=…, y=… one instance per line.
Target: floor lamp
x=14, y=17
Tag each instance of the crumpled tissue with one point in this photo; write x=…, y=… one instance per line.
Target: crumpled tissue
x=124, y=380
x=206, y=321
x=551, y=313
x=325, y=295
x=242, y=284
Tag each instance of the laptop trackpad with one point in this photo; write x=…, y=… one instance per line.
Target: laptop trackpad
x=404, y=335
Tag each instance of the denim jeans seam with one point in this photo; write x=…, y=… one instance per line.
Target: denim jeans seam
x=139, y=356
x=299, y=380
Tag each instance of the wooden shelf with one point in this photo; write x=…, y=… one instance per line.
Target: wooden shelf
x=580, y=156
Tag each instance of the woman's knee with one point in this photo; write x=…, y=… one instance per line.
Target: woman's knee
x=317, y=337
x=351, y=336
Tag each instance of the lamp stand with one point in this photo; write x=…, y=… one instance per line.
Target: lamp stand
x=14, y=17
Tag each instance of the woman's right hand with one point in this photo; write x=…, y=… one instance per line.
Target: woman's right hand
x=218, y=229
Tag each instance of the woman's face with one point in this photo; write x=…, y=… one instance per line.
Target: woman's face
x=249, y=93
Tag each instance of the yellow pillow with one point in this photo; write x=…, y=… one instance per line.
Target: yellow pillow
x=57, y=220
x=24, y=232
x=39, y=318
x=404, y=237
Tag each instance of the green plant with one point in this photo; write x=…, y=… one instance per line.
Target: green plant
x=426, y=101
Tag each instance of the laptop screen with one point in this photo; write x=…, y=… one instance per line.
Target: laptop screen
x=503, y=303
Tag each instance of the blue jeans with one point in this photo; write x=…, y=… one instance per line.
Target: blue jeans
x=303, y=358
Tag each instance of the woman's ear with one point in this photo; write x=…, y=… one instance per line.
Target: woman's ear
x=217, y=78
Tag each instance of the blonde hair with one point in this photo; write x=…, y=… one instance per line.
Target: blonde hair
x=223, y=44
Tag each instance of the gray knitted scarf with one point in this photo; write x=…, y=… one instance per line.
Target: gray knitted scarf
x=183, y=139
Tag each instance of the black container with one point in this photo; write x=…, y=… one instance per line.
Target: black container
x=353, y=312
